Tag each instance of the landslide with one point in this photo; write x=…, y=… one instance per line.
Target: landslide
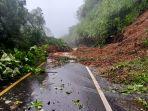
x=130, y=48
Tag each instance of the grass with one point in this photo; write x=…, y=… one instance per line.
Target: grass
x=143, y=102
x=37, y=105
x=145, y=42
x=134, y=89
x=133, y=74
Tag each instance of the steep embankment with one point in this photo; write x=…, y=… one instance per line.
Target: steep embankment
x=130, y=48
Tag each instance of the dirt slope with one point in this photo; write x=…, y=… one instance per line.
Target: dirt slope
x=129, y=48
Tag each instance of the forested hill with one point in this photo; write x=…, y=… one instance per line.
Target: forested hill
x=102, y=21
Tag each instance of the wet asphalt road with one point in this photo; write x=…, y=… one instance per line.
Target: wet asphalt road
x=65, y=88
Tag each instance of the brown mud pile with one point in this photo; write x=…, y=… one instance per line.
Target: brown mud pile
x=130, y=48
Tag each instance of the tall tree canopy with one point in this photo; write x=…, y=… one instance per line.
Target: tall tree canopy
x=18, y=27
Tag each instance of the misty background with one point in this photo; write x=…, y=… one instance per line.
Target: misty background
x=59, y=14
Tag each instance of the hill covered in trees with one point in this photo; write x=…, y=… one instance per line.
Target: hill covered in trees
x=102, y=21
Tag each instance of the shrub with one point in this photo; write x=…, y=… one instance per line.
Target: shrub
x=145, y=42
x=20, y=62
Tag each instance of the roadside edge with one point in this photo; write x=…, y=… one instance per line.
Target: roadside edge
x=100, y=92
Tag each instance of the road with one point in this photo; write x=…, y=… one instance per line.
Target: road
x=64, y=88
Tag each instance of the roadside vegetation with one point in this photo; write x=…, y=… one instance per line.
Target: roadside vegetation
x=58, y=45
x=16, y=64
x=134, y=74
x=23, y=40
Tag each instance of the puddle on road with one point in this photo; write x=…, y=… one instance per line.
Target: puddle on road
x=62, y=88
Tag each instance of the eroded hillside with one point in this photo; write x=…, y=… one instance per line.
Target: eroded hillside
x=131, y=47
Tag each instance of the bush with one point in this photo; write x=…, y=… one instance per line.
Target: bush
x=59, y=44
x=21, y=62
x=145, y=42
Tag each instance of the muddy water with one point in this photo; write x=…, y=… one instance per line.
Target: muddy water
x=65, y=88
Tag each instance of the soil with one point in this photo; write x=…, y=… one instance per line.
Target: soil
x=128, y=49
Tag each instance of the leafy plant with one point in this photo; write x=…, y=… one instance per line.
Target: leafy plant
x=9, y=66
x=143, y=102
x=133, y=74
x=135, y=89
x=59, y=44
x=145, y=42
x=36, y=104
x=19, y=27
x=77, y=103
x=21, y=62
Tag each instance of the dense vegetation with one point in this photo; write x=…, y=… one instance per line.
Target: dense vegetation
x=134, y=75
x=17, y=63
x=102, y=21
x=23, y=40
x=18, y=27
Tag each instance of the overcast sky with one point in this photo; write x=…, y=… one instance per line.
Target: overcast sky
x=59, y=14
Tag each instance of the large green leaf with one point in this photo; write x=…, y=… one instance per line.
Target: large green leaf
x=7, y=71
x=5, y=57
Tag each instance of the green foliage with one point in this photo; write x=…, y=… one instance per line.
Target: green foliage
x=8, y=66
x=21, y=62
x=59, y=43
x=20, y=28
x=100, y=19
x=36, y=104
x=145, y=42
x=78, y=103
x=135, y=89
x=136, y=70
x=134, y=74
x=143, y=102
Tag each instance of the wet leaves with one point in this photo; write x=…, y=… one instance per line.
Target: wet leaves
x=143, y=102
x=135, y=89
x=78, y=103
x=18, y=102
x=13, y=104
x=36, y=104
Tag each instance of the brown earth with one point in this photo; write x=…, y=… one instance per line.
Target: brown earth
x=128, y=49
x=56, y=48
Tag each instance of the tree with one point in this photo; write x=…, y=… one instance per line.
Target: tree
x=12, y=18
x=18, y=27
